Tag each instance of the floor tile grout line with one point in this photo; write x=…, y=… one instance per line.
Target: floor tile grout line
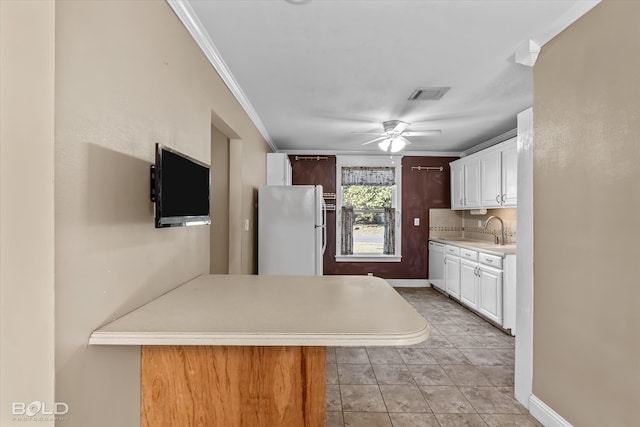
x=499, y=345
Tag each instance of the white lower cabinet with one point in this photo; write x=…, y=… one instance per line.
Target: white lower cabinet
x=452, y=275
x=490, y=290
x=469, y=283
x=482, y=282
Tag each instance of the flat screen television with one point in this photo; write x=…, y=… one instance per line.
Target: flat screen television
x=180, y=189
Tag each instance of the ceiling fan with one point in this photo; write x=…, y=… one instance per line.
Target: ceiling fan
x=394, y=135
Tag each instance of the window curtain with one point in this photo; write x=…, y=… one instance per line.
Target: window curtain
x=389, y=231
x=348, y=218
x=368, y=176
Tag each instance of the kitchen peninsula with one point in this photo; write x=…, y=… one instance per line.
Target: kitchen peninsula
x=246, y=350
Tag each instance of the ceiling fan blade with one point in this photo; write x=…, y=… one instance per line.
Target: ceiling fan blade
x=374, y=140
x=401, y=126
x=423, y=132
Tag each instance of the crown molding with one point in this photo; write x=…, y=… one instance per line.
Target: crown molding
x=189, y=19
x=370, y=153
x=491, y=142
x=574, y=13
x=527, y=53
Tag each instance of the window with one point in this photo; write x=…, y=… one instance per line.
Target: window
x=368, y=202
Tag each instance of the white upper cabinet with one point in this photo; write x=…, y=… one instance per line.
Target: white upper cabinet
x=472, y=184
x=491, y=172
x=510, y=174
x=486, y=179
x=465, y=184
x=278, y=169
x=457, y=185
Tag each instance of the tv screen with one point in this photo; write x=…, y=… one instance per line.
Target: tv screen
x=181, y=189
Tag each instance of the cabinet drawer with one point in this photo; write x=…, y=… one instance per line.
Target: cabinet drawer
x=492, y=260
x=452, y=250
x=468, y=254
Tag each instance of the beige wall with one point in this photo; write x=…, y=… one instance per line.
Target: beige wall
x=586, y=205
x=219, y=202
x=26, y=206
x=128, y=76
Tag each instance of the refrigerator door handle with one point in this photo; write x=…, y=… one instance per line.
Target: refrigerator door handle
x=324, y=226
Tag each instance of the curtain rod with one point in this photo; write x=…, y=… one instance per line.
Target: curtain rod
x=317, y=158
x=427, y=168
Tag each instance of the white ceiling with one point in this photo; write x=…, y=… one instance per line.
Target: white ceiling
x=312, y=74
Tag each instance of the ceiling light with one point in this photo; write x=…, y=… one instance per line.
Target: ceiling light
x=384, y=145
x=397, y=144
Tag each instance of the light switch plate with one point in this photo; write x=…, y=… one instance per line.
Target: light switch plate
x=416, y=221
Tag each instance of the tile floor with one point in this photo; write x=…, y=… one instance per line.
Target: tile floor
x=461, y=376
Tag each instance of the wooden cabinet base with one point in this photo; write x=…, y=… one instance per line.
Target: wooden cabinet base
x=213, y=386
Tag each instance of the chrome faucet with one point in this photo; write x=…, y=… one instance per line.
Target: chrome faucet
x=501, y=228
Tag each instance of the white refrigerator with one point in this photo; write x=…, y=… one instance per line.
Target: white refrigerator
x=292, y=233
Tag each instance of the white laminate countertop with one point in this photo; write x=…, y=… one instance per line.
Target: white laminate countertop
x=485, y=247
x=250, y=310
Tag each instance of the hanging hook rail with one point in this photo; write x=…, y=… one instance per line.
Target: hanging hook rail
x=317, y=158
x=427, y=168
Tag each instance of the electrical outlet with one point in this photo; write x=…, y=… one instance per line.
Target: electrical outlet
x=369, y=274
x=246, y=225
x=416, y=221
x=479, y=223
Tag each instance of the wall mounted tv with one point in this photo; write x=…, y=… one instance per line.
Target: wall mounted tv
x=180, y=189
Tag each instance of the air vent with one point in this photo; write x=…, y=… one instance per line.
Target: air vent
x=428, y=93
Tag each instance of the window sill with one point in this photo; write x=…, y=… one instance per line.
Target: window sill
x=368, y=258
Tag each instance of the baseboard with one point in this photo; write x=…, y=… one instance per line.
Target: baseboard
x=409, y=283
x=543, y=413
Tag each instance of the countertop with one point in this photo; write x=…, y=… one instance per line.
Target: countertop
x=477, y=245
x=251, y=310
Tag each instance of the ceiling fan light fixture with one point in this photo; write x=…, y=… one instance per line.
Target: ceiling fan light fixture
x=397, y=144
x=384, y=145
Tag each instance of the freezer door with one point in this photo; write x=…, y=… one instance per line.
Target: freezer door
x=287, y=232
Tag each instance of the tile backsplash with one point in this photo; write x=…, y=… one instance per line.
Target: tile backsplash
x=446, y=223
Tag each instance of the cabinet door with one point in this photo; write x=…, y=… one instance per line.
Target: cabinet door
x=452, y=276
x=490, y=298
x=472, y=184
x=469, y=283
x=278, y=169
x=288, y=172
x=457, y=185
x=491, y=180
x=510, y=175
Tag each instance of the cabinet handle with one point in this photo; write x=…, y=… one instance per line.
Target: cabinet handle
x=489, y=261
x=498, y=198
x=503, y=198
